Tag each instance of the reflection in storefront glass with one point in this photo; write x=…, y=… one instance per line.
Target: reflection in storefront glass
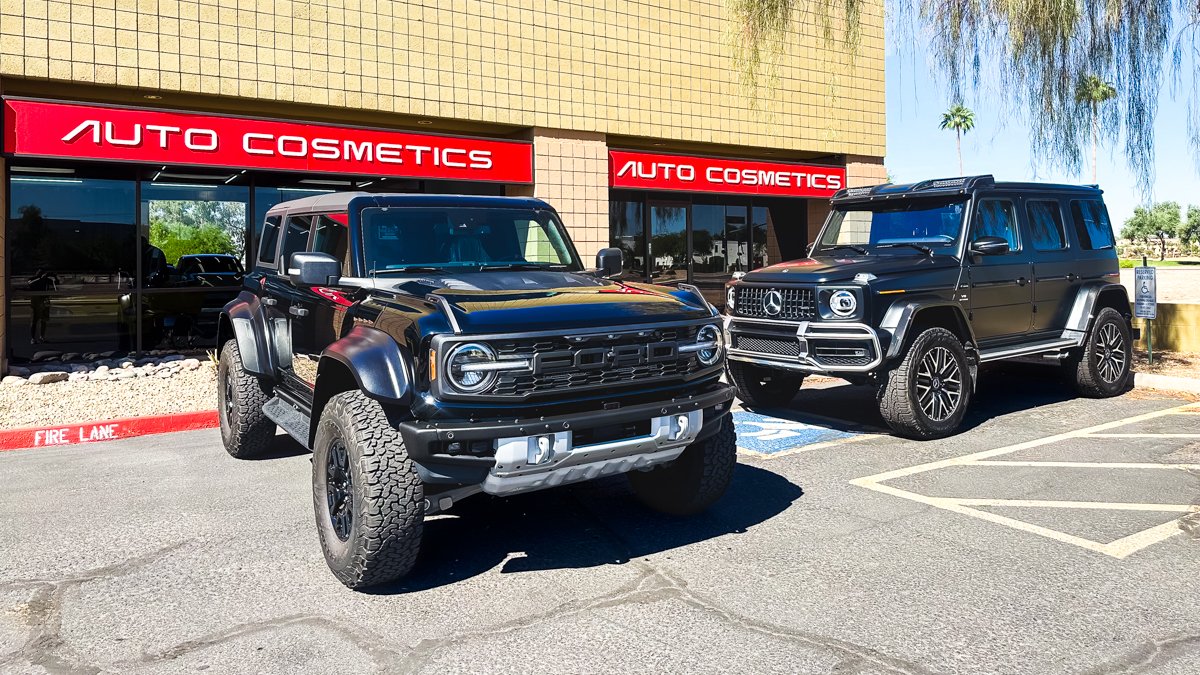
x=668, y=243
x=626, y=232
x=52, y=326
x=758, y=237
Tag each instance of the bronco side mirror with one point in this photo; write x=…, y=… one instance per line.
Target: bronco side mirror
x=609, y=262
x=989, y=246
x=314, y=269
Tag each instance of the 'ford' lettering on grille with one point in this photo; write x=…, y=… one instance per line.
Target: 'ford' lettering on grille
x=598, y=358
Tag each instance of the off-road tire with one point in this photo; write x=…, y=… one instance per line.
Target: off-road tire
x=899, y=395
x=695, y=480
x=245, y=431
x=387, y=499
x=764, y=387
x=1084, y=367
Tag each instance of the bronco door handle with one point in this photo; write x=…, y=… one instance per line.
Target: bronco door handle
x=297, y=311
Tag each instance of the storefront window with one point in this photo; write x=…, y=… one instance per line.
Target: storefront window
x=668, y=243
x=72, y=260
x=626, y=232
x=758, y=237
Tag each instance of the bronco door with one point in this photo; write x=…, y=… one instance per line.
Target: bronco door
x=1001, y=288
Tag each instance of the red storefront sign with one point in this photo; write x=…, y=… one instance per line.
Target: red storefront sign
x=45, y=129
x=650, y=171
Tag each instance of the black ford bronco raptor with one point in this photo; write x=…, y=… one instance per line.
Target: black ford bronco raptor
x=911, y=287
x=429, y=347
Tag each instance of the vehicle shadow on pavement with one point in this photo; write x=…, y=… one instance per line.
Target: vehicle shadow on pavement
x=1002, y=390
x=579, y=526
x=282, y=446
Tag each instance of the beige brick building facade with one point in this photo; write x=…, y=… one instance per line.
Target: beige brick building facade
x=575, y=79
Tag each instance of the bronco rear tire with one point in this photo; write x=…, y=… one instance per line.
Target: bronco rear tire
x=694, y=481
x=368, y=498
x=245, y=431
x=764, y=387
x=927, y=394
x=1102, y=367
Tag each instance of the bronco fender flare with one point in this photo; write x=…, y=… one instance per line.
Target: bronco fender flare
x=243, y=320
x=1093, y=296
x=900, y=317
x=376, y=365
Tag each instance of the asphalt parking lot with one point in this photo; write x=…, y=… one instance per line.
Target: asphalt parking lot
x=1054, y=535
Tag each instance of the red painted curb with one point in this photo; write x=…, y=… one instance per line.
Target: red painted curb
x=108, y=430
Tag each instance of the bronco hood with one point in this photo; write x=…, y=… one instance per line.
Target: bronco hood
x=505, y=302
x=834, y=270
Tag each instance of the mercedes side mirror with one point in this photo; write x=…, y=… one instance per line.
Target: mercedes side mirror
x=989, y=246
x=609, y=262
x=314, y=269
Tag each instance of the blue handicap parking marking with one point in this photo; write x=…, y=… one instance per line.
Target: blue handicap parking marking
x=770, y=435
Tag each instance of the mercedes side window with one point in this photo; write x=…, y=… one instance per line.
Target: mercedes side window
x=996, y=218
x=268, y=241
x=330, y=236
x=1092, y=226
x=295, y=238
x=1046, y=225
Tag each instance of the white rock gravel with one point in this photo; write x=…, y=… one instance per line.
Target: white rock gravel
x=188, y=390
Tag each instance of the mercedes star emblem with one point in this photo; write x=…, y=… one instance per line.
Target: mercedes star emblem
x=773, y=303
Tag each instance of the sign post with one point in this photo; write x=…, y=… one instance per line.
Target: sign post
x=1145, y=303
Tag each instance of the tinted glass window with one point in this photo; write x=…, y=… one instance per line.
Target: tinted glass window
x=928, y=223
x=625, y=231
x=1092, y=226
x=270, y=240
x=996, y=218
x=295, y=237
x=1046, y=226
x=331, y=237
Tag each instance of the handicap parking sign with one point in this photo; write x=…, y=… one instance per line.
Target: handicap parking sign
x=770, y=435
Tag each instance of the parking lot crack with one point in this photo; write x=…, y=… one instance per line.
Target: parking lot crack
x=1149, y=656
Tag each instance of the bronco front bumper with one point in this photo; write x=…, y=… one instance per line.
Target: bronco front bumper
x=805, y=346
x=512, y=456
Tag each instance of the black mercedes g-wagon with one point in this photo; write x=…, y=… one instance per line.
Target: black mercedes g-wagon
x=429, y=347
x=911, y=287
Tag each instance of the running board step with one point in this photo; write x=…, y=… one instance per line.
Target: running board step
x=1009, y=352
x=288, y=418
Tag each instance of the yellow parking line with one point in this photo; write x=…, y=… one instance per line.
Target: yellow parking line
x=1089, y=465
x=1060, y=504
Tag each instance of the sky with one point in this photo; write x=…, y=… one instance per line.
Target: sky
x=918, y=149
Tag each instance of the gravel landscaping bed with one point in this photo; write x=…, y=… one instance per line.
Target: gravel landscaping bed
x=178, y=386
x=1177, y=364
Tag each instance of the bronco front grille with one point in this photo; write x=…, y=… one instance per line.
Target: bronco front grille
x=795, y=304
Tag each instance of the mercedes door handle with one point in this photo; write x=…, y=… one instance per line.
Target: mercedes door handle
x=270, y=302
x=297, y=311
x=1022, y=281
x=1072, y=277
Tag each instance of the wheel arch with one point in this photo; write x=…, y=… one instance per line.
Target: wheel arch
x=1090, y=299
x=905, y=320
x=366, y=359
x=242, y=320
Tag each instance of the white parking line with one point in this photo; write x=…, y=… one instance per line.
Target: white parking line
x=1120, y=548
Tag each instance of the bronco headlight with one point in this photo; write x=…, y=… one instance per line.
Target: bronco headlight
x=843, y=303
x=708, y=341
x=471, y=367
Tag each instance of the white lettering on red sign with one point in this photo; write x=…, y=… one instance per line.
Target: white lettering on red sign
x=46, y=129
x=670, y=172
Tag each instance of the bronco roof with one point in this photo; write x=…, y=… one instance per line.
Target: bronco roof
x=340, y=201
x=952, y=186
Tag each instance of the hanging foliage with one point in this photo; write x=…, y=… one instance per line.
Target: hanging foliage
x=1034, y=52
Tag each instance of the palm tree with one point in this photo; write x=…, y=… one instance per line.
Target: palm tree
x=1093, y=91
x=961, y=119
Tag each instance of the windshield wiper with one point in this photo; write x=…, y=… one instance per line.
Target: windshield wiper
x=408, y=268
x=857, y=249
x=524, y=266
x=923, y=249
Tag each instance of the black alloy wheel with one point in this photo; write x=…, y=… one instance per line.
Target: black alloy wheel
x=340, y=493
x=1101, y=368
x=939, y=384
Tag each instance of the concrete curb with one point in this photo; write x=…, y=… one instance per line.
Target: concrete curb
x=1166, y=382
x=108, y=430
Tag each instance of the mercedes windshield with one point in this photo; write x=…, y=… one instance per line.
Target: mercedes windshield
x=904, y=226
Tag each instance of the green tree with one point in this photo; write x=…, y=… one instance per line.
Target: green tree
x=961, y=119
x=229, y=217
x=176, y=239
x=1189, y=233
x=1092, y=91
x=1160, y=221
x=1033, y=51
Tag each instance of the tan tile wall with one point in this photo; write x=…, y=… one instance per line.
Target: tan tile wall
x=862, y=171
x=649, y=68
x=571, y=173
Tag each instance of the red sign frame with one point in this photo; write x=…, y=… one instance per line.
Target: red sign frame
x=686, y=173
x=34, y=128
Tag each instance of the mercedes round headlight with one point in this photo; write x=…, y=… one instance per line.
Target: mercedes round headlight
x=470, y=367
x=730, y=296
x=708, y=338
x=843, y=303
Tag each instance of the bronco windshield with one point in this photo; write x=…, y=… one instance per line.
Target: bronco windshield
x=423, y=239
x=901, y=226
